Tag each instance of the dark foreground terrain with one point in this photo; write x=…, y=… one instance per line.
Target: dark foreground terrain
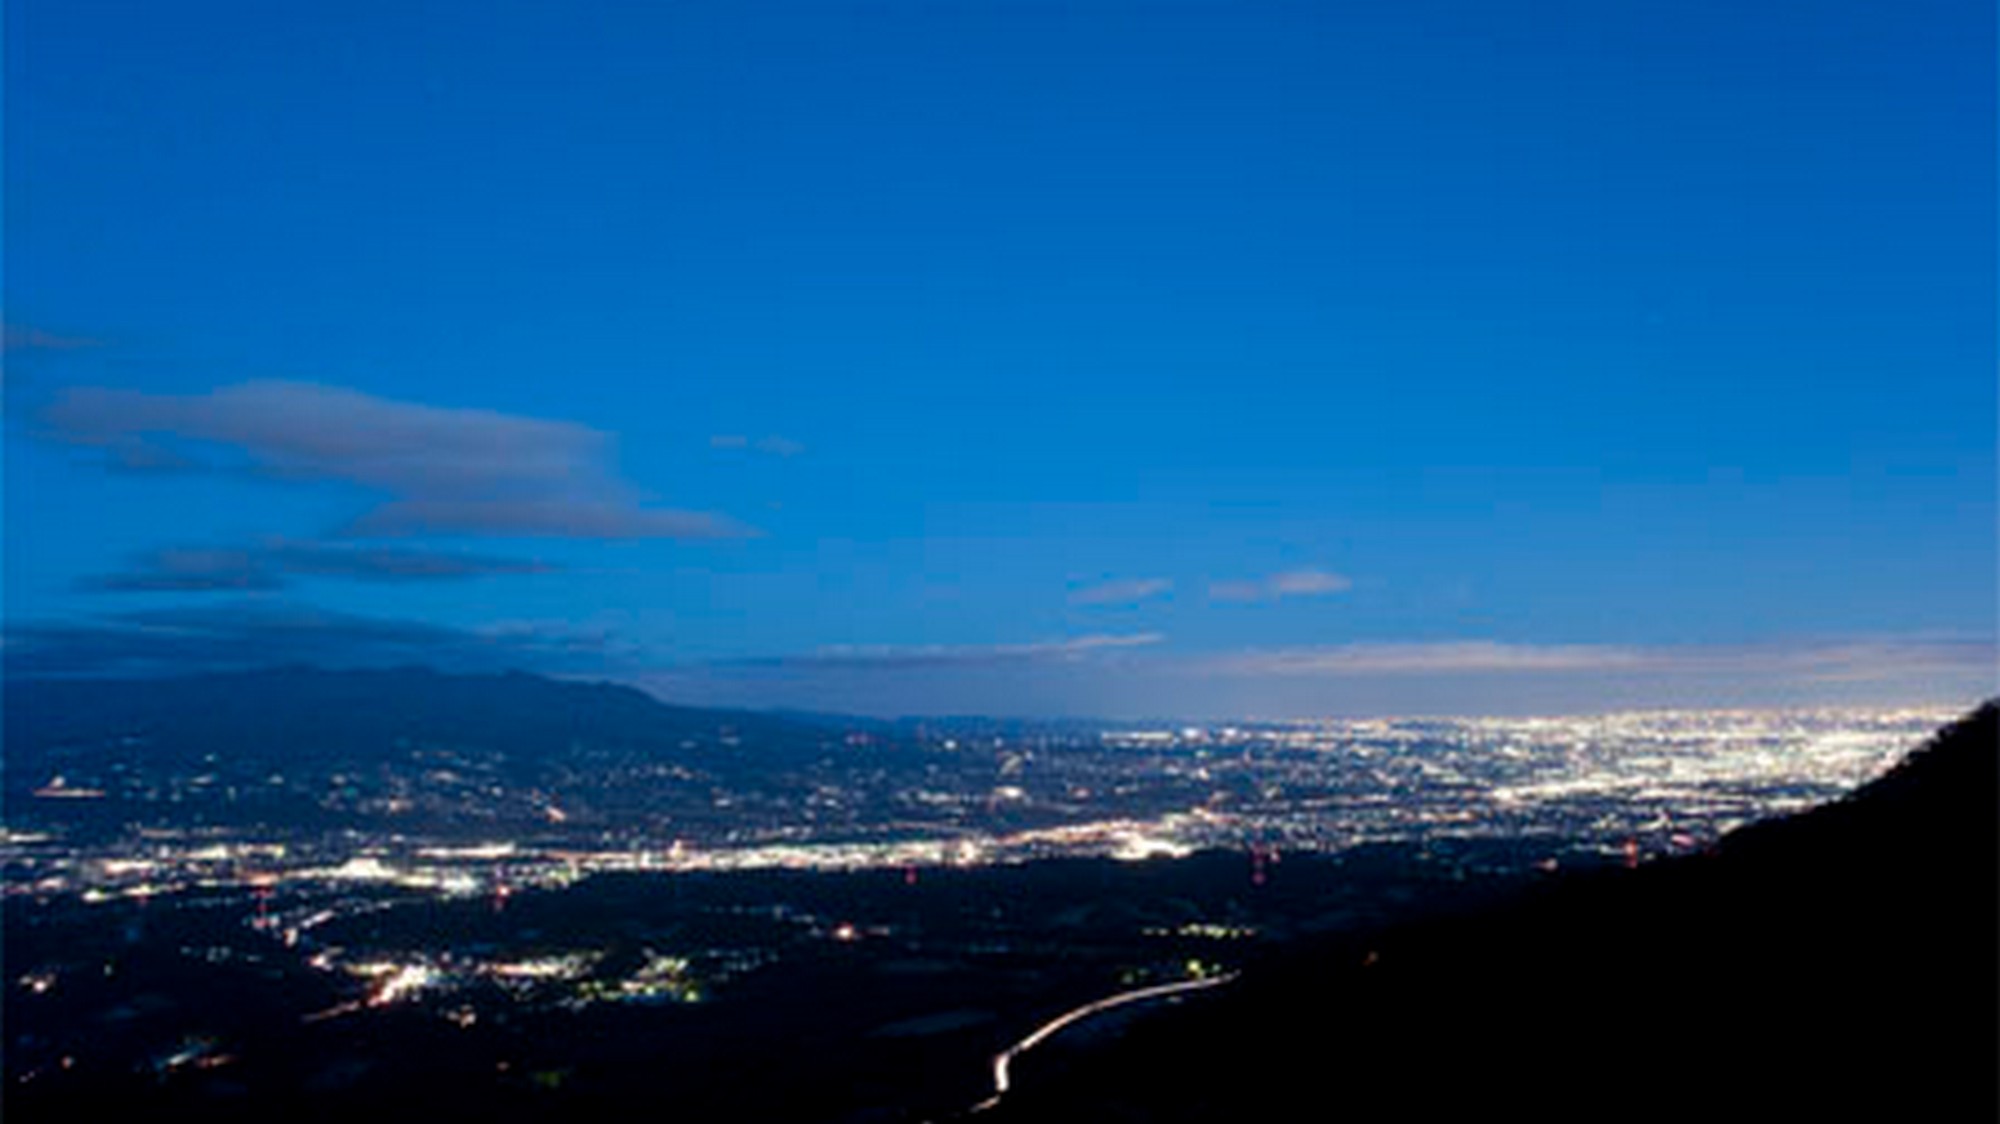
x=1835, y=965
x=768, y=995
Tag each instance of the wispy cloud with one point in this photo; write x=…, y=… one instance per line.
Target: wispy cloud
x=16, y=337
x=189, y=570
x=1853, y=661
x=1423, y=658
x=1822, y=661
x=1123, y=592
x=440, y=471
x=894, y=657
x=271, y=565
x=554, y=516
x=772, y=444
x=385, y=564
x=1290, y=583
x=257, y=633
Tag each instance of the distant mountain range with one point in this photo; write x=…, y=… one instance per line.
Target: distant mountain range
x=306, y=747
x=297, y=711
x=1841, y=964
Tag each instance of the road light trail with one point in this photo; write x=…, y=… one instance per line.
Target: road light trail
x=1003, y=1061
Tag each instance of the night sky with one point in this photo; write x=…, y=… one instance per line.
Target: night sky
x=1175, y=359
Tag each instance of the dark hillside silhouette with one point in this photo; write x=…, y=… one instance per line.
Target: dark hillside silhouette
x=292, y=712
x=1840, y=964
x=273, y=720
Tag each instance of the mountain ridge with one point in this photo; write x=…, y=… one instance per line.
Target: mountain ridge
x=319, y=748
x=323, y=704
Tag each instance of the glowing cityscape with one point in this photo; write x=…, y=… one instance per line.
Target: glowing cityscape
x=1618, y=785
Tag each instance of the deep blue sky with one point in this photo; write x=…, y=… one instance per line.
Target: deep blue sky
x=1174, y=358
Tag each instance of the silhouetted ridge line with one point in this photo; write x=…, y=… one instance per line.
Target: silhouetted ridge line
x=612, y=746
x=1960, y=764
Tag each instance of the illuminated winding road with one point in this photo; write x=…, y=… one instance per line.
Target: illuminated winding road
x=1004, y=1060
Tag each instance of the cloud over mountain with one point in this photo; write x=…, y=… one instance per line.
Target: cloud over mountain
x=244, y=634
x=272, y=565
